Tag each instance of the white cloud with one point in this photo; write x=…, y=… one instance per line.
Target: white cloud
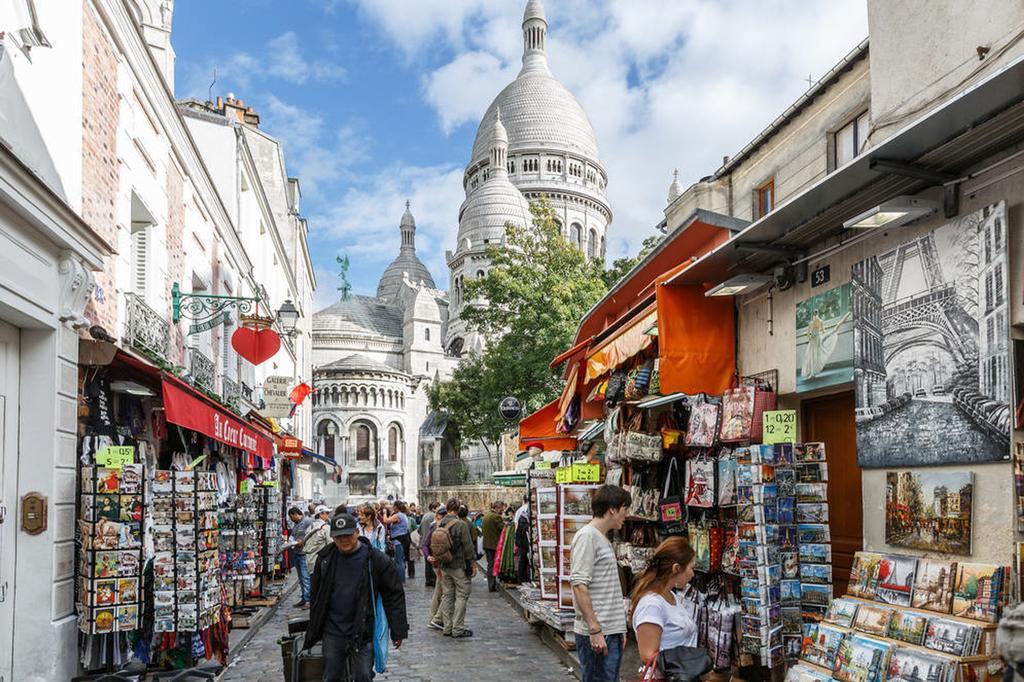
x=364, y=221
x=678, y=84
x=285, y=61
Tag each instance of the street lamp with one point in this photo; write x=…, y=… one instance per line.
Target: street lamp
x=288, y=316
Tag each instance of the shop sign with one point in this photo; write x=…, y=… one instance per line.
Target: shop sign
x=542, y=465
x=209, y=324
x=290, y=447
x=511, y=481
x=586, y=473
x=510, y=408
x=563, y=475
x=245, y=487
x=275, y=397
x=821, y=276
x=185, y=409
x=779, y=426
x=115, y=456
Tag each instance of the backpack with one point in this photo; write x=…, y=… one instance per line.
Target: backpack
x=441, y=545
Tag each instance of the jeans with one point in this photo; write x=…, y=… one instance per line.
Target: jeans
x=399, y=559
x=596, y=668
x=492, y=582
x=339, y=666
x=406, y=542
x=456, y=595
x=302, y=569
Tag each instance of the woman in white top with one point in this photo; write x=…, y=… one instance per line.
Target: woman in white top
x=660, y=619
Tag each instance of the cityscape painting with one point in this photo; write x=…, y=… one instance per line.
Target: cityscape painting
x=824, y=340
x=929, y=510
x=932, y=378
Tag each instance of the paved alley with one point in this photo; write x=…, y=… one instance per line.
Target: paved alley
x=503, y=646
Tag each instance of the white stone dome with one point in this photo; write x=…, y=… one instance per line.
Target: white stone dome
x=539, y=112
x=407, y=263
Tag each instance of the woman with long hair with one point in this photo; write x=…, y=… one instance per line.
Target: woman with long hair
x=398, y=524
x=660, y=619
x=370, y=528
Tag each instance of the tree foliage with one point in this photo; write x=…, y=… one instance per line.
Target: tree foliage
x=621, y=266
x=528, y=308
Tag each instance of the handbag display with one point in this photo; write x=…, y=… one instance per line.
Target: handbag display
x=700, y=541
x=700, y=482
x=737, y=414
x=672, y=509
x=616, y=387
x=765, y=400
x=655, y=387
x=703, y=427
x=716, y=545
x=731, y=552
x=632, y=390
x=643, y=447
x=726, y=480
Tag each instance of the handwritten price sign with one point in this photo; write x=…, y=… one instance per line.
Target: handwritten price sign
x=563, y=475
x=115, y=456
x=779, y=426
x=586, y=473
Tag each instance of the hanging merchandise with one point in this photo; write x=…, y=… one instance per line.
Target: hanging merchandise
x=737, y=414
x=726, y=466
x=700, y=482
x=655, y=387
x=672, y=507
x=703, y=425
x=255, y=340
x=765, y=400
x=700, y=541
x=616, y=387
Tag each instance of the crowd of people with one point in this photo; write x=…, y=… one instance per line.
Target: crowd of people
x=347, y=557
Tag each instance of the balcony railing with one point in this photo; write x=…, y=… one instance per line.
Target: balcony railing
x=246, y=392
x=201, y=368
x=145, y=329
x=229, y=390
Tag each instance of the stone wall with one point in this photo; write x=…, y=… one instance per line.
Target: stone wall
x=476, y=497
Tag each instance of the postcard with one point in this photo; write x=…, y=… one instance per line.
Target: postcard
x=817, y=574
x=908, y=627
x=817, y=595
x=842, y=612
x=815, y=553
x=809, y=452
x=812, y=492
x=814, y=512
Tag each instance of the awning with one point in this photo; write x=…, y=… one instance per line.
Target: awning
x=288, y=444
x=696, y=340
x=569, y=391
x=540, y=427
x=185, y=407
x=306, y=452
x=578, y=348
x=626, y=343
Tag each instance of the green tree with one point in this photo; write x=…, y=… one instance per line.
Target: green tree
x=621, y=266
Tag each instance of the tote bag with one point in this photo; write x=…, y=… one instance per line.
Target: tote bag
x=671, y=507
x=703, y=425
x=737, y=414
x=700, y=482
x=381, y=630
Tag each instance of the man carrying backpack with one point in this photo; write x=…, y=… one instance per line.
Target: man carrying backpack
x=458, y=566
x=435, y=570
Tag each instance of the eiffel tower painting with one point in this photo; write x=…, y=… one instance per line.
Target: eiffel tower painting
x=931, y=333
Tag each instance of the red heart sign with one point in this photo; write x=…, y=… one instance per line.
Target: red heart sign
x=256, y=346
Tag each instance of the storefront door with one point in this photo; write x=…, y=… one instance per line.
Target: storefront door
x=9, y=372
x=830, y=419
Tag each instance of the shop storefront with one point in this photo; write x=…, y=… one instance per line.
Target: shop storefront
x=172, y=485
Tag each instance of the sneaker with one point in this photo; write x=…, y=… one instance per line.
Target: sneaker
x=464, y=633
x=435, y=625
x=447, y=634
x=300, y=604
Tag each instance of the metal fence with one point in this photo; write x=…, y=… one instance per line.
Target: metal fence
x=472, y=469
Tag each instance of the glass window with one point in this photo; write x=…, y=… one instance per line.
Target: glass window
x=362, y=442
x=393, y=444
x=849, y=141
x=764, y=197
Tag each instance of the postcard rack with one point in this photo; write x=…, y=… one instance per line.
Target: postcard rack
x=111, y=555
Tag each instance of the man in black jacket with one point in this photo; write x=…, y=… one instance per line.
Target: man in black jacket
x=341, y=613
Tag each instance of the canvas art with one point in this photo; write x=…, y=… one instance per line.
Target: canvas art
x=861, y=659
x=908, y=627
x=824, y=339
x=933, y=312
x=933, y=585
x=929, y=510
x=910, y=665
x=895, y=579
x=976, y=591
x=841, y=612
x=873, y=619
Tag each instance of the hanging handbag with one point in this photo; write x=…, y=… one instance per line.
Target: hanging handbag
x=632, y=391
x=703, y=425
x=737, y=414
x=701, y=544
x=671, y=437
x=381, y=630
x=700, y=482
x=616, y=387
x=765, y=400
x=672, y=511
x=726, y=481
x=684, y=663
x=731, y=552
x=716, y=544
x=643, y=447
x=655, y=387
x=643, y=378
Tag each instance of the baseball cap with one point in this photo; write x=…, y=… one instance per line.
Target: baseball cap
x=343, y=524
x=442, y=510
x=321, y=509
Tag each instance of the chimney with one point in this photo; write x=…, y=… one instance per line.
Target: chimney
x=236, y=108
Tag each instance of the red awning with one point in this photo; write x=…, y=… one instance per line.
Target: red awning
x=290, y=446
x=540, y=427
x=579, y=347
x=185, y=407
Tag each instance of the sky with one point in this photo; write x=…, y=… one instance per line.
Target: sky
x=378, y=101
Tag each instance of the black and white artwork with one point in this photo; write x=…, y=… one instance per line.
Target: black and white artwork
x=931, y=330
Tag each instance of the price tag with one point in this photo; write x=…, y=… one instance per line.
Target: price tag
x=563, y=475
x=269, y=484
x=586, y=473
x=245, y=487
x=542, y=465
x=115, y=456
x=779, y=427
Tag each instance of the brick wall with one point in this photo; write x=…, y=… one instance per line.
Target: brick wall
x=175, y=252
x=100, y=166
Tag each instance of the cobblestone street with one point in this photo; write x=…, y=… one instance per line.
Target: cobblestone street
x=503, y=646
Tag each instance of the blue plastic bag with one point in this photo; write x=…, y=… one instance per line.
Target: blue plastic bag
x=381, y=630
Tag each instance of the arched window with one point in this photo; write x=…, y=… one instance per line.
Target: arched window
x=364, y=437
x=394, y=436
x=592, y=244
x=426, y=334
x=326, y=431
x=576, y=235
x=480, y=274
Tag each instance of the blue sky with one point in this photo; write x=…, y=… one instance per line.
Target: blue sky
x=377, y=101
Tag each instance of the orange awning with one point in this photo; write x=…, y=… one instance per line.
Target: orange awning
x=578, y=348
x=569, y=392
x=696, y=339
x=540, y=427
x=621, y=346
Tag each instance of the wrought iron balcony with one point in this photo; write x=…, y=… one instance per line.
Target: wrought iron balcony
x=145, y=329
x=246, y=392
x=201, y=368
x=229, y=390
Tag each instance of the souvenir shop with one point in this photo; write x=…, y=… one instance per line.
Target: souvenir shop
x=179, y=517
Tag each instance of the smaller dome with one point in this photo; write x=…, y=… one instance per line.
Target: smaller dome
x=534, y=10
x=360, y=316
x=674, y=190
x=407, y=219
x=406, y=263
x=358, y=363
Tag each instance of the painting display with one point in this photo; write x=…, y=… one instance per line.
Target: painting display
x=824, y=339
x=895, y=579
x=933, y=585
x=932, y=370
x=929, y=510
x=977, y=590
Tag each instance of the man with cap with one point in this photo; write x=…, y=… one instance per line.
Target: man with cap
x=318, y=536
x=349, y=575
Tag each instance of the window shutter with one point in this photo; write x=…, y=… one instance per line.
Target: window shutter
x=140, y=257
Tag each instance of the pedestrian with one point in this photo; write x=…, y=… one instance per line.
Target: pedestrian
x=348, y=577
x=310, y=508
x=297, y=533
x=425, y=523
x=399, y=526
x=474, y=532
x=318, y=536
x=522, y=521
x=435, y=621
x=457, y=570
x=491, y=531
x=660, y=618
x=600, y=623
x=370, y=528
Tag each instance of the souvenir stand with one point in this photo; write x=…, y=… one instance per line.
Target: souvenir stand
x=157, y=461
